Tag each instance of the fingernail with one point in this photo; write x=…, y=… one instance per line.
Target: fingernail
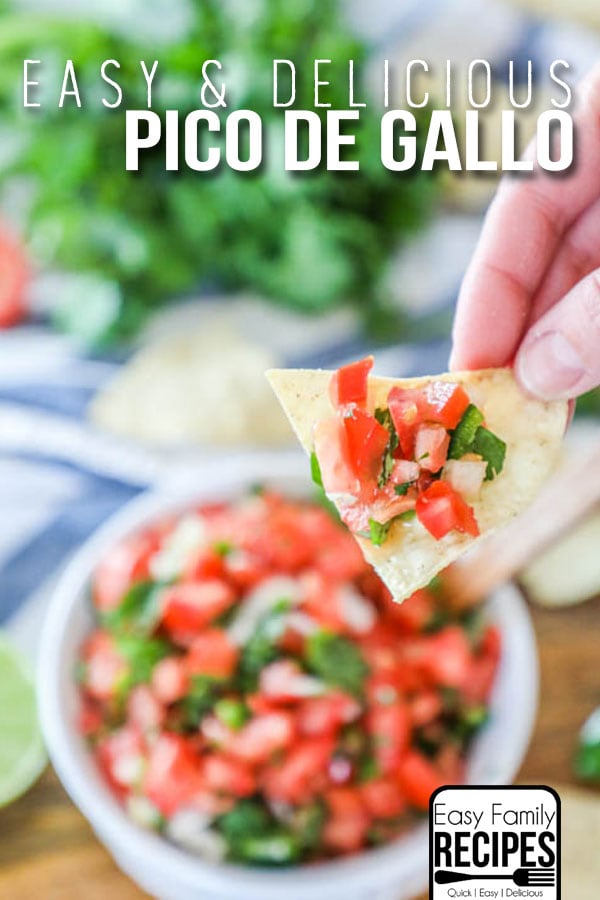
x=549, y=367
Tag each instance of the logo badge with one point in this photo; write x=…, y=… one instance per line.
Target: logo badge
x=499, y=843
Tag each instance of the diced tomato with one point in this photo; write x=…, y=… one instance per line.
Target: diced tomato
x=144, y=710
x=173, y=777
x=170, y=679
x=301, y=774
x=415, y=613
x=319, y=716
x=263, y=736
x=121, y=757
x=105, y=667
x=331, y=448
x=447, y=657
x=431, y=447
x=383, y=798
x=404, y=471
x=441, y=510
x=350, y=383
x=419, y=778
x=477, y=686
x=206, y=564
x=390, y=727
x=349, y=820
x=89, y=718
x=191, y=606
x=367, y=440
x=212, y=653
x=404, y=407
x=424, y=708
x=228, y=776
x=244, y=570
x=14, y=275
x=126, y=564
x=446, y=403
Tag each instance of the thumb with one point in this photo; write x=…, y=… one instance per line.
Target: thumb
x=559, y=357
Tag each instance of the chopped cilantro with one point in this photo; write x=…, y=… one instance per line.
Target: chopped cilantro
x=138, y=612
x=384, y=418
x=276, y=848
x=262, y=648
x=492, y=449
x=464, y=434
x=232, y=713
x=308, y=824
x=246, y=817
x=402, y=489
x=337, y=661
x=407, y=516
x=223, y=548
x=378, y=532
x=198, y=701
x=142, y=654
x=315, y=470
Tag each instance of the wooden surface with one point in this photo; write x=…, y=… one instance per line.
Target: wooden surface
x=48, y=852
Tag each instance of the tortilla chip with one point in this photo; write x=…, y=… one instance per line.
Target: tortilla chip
x=410, y=557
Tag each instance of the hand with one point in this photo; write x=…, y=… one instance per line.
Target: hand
x=531, y=295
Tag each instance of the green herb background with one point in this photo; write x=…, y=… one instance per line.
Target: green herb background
x=309, y=241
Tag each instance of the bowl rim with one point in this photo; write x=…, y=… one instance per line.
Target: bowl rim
x=404, y=857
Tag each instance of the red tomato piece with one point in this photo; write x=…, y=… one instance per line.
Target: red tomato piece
x=390, y=728
x=367, y=440
x=212, y=653
x=121, y=756
x=170, y=680
x=191, y=606
x=383, y=798
x=446, y=403
x=105, y=669
x=173, y=776
x=447, y=657
x=144, y=710
x=325, y=715
x=126, y=564
x=14, y=275
x=415, y=613
x=441, y=510
x=331, y=448
x=228, y=776
x=89, y=719
x=349, y=820
x=431, y=447
x=419, y=778
x=301, y=774
x=404, y=407
x=424, y=708
x=350, y=383
x=263, y=736
x=206, y=564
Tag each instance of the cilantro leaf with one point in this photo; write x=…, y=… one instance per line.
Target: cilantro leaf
x=315, y=470
x=384, y=418
x=138, y=612
x=464, y=434
x=337, y=661
x=492, y=449
x=378, y=532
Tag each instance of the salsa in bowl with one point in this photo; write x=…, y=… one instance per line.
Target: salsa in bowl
x=242, y=794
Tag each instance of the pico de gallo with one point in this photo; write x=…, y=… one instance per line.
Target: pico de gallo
x=252, y=692
x=424, y=455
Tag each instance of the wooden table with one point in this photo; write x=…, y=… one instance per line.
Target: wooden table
x=48, y=852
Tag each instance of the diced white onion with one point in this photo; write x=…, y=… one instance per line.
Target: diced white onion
x=188, y=535
x=260, y=602
x=465, y=476
x=358, y=613
x=143, y=812
x=302, y=623
x=190, y=829
x=128, y=769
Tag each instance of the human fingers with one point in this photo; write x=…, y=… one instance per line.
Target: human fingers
x=559, y=358
x=523, y=229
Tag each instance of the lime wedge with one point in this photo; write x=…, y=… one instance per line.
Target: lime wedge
x=22, y=753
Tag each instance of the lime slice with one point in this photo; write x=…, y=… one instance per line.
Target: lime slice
x=22, y=753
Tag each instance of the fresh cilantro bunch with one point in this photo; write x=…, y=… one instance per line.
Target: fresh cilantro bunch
x=309, y=241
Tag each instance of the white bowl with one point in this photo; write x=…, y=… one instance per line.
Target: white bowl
x=397, y=871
